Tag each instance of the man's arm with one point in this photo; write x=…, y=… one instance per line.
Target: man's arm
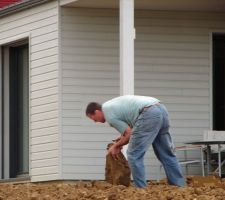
x=124, y=139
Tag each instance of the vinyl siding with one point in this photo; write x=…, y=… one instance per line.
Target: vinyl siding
x=172, y=63
x=41, y=23
x=90, y=72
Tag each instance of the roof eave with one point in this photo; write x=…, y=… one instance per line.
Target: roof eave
x=20, y=6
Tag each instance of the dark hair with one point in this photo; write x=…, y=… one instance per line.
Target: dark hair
x=92, y=107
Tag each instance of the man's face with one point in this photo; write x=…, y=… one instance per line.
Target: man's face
x=98, y=116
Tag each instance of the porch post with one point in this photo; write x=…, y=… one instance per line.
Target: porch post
x=1, y=167
x=127, y=34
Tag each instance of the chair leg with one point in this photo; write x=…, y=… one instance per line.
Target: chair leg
x=217, y=169
x=202, y=162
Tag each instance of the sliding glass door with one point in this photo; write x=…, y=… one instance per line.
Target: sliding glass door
x=19, y=112
x=15, y=110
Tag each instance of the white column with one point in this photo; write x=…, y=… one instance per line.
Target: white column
x=1, y=101
x=127, y=35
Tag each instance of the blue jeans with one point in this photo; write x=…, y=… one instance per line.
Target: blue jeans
x=152, y=128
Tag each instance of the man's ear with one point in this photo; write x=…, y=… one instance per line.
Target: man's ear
x=96, y=111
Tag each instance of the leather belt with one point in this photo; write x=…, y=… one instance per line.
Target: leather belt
x=147, y=107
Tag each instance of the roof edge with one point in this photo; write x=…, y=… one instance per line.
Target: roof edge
x=20, y=6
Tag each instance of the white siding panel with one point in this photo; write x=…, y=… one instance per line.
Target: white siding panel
x=92, y=90
x=92, y=161
x=76, y=169
x=44, y=116
x=45, y=163
x=45, y=84
x=166, y=45
x=29, y=26
x=44, y=108
x=44, y=155
x=105, y=74
x=44, y=100
x=44, y=53
x=41, y=23
x=39, y=17
x=167, y=76
x=90, y=130
x=189, y=115
x=95, y=137
x=42, y=46
x=45, y=37
x=44, y=92
x=172, y=63
x=94, y=43
x=44, y=69
x=44, y=61
x=44, y=8
x=43, y=140
x=42, y=132
x=85, y=145
x=188, y=107
x=45, y=146
x=44, y=170
x=44, y=124
x=44, y=30
x=44, y=77
x=84, y=176
x=44, y=177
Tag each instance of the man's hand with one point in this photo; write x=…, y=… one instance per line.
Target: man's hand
x=116, y=147
x=114, y=150
x=117, y=139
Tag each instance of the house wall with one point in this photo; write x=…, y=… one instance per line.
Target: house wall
x=90, y=72
x=41, y=24
x=172, y=63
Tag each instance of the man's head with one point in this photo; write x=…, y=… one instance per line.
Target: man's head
x=94, y=112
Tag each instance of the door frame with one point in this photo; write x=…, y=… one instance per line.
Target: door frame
x=220, y=31
x=4, y=151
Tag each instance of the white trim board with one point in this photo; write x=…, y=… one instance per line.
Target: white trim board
x=14, y=38
x=65, y=2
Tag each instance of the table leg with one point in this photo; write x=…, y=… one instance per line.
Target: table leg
x=219, y=159
x=208, y=159
x=202, y=162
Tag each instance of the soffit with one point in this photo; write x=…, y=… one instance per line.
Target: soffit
x=179, y=5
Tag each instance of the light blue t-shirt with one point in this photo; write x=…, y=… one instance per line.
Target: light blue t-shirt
x=122, y=111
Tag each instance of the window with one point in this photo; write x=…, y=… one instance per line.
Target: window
x=15, y=110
